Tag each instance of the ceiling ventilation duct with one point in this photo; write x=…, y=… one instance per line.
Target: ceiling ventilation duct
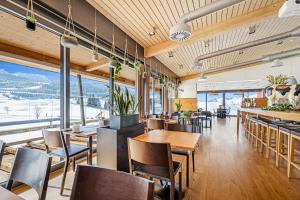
x=289, y=8
x=182, y=31
x=294, y=33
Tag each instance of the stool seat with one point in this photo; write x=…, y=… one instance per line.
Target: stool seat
x=289, y=127
x=261, y=121
x=295, y=132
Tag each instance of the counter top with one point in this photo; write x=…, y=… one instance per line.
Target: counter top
x=289, y=115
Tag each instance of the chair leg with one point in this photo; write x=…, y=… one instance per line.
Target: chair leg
x=64, y=176
x=180, y=186
x=172, y=190
x=193, y=157
x=187, y=170
x=290, y=155
x=278, y=148
x=73, y=163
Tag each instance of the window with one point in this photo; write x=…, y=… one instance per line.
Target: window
x=201, y=101
x=233, y=101
x=214, y=100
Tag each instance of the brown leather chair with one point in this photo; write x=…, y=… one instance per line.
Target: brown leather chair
x=56, y=140
x=95, y=183
x=156, y=124
x=31, y=167
x=154, y=160
x=184, y=128
x=2, y=147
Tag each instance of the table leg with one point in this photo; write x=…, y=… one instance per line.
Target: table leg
x=187, y=170
x=238, y=123
x=90, y=153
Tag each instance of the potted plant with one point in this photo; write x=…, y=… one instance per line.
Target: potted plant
x=178, y=106
x=31, y=23
x=30, y=19
x=124, y=109
x=277, y=80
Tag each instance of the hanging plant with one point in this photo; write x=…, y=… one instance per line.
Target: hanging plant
x=116, y=64
x=137, y=64
x=67, y=39
x=161, y=79
x=30, y=19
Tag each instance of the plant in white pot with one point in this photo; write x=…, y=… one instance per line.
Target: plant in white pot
x=68, y=39
x=124, y=109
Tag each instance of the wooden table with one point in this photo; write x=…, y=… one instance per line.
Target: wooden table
x=292, y=115
x=177, y=140
x=8, y=195
x=87, y=132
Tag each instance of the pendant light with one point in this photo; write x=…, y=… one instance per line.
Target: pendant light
x=30, y=19
x=68, y=40
x=95, y=55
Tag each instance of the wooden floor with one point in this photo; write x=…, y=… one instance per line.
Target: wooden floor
x=226, y=168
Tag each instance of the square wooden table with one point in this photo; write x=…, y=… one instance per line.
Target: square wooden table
x=177, y=139
x=87, y=132
x=8, y=195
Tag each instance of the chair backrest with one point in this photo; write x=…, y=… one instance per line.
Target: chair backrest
x=31, y=167
x=152, y=154
x=180, y=127
x=206, y=113
x=2, y=147
x=156, y=124
x=95, y=183
x=53, y=139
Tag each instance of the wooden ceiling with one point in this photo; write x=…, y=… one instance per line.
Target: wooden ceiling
x=14, y=34
x=223, y=29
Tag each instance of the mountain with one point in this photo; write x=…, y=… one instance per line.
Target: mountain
x=36, y=86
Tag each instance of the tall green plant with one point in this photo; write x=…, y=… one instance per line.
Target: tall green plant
x=124, y=102
x=178, y=106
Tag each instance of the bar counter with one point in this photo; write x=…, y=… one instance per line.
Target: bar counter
x=291, y=115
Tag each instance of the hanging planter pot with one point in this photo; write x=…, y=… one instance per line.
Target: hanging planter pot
x=30, y=19
x=95, y=56
x=137, y=65
x=30, y=23
x=68, y=41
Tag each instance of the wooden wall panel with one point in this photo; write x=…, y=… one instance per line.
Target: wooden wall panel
x=187, y=104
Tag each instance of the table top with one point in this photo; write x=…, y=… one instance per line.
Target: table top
x=290, y=115
x=177, y=139
x=86, y=131
x=8, y=195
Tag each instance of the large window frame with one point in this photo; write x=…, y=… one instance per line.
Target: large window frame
x=244, y=93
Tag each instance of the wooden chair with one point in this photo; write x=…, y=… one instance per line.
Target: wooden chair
x=2, y=147
x=184, y=128
x=262, y=133
x=294, y=136
x=154, y=124
x=56, y=140
x=95, y=183
x=154, y=160
x=31, y=167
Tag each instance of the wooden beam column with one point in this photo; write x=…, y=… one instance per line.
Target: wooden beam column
x=80, y=92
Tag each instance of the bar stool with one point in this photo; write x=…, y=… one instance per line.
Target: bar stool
x=272, y=138
x=247, y=126
x=253, y=129
x=263, y=132
x=282, y=143
x=294, y=136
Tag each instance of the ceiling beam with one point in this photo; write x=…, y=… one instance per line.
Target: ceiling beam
x=29, y=58
x=97, y=65
x=227, y=25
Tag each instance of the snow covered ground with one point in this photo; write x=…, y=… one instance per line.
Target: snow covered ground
x=24, y=109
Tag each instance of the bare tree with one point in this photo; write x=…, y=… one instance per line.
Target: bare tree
x=37, y=111
x=6, y=108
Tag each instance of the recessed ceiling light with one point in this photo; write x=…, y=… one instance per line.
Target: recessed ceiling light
x=152, y=32
x=252, y=29
x=170, y=54
x=241, y=52
x=279, y=42
x=206, y=43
